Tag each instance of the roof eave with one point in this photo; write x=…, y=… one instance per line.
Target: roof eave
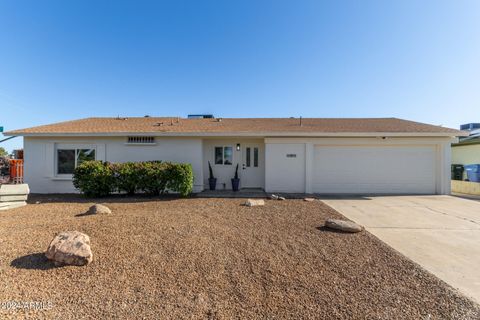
x=238, y=134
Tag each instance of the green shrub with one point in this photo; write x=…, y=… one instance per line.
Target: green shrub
x=180, y=178
x=126, y=177
x=94, y=178
x=153, y=178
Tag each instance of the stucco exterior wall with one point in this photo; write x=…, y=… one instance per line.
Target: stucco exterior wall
x=40, y=172
x=224, y=173
x=279, y=172
x=468, y=154
x=466, y=187
x=295, y=174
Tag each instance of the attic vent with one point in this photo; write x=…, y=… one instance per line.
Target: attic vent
x=141, y=140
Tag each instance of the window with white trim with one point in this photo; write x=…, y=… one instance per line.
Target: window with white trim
x=69, y=158
x=224, y=155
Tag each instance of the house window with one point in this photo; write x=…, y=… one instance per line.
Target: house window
x=248, y=159
x=224, y=155
x=69, y=159
x=141, y=140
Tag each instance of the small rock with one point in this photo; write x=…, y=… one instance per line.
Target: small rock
x=309, y=199
x=70, y=248
x=254, y=202
x=342, y=225
x=281, y=198
x=274, y=197
x=99, y=209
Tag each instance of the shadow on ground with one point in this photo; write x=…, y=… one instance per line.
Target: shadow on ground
x=325, y=229
x=78, y=198
x=34, y=261
x=85, y=214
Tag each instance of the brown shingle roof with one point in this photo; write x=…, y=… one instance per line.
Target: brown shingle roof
x=264, y=126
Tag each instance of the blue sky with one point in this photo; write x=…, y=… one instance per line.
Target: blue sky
x=62, y=60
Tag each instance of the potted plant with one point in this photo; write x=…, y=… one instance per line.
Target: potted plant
x=212, y=181
x=235, y=180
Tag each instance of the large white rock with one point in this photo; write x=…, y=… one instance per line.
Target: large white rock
x=255, y=202
x=70, y=248
x=343, y=225
x=99, y=209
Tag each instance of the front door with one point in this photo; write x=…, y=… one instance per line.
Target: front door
x=253, y=175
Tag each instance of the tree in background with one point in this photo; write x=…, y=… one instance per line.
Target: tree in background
x=3, y=152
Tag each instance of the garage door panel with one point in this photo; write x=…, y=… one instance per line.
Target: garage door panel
x=374, y=169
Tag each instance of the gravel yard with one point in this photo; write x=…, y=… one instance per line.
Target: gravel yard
x=211, y=258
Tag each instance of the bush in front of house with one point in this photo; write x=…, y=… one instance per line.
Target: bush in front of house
x=127, y=178
x=94, y=178
x=151, y=177
x=180, y=178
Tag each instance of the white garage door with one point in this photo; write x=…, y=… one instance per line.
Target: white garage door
x=374, y=169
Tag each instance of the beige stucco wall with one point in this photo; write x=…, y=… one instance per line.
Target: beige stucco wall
x=40, y=160
x=297, y=174
x=224, y=173
x=466, y=187
x=469, y=154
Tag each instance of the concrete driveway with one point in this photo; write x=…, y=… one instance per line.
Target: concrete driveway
x=441, y=233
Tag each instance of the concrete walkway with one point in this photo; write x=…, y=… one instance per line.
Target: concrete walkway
x=441, y=233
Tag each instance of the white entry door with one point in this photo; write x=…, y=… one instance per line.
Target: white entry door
x=253, y=166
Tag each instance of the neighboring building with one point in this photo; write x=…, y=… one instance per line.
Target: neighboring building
x=467, y=150
x=327, y=156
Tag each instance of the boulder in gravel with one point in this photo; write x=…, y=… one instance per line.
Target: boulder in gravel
x=281, y=198
x=255, y=202
x=99, y=209
x=274, y=197
x=343, y=225
x=309, y=199
x=70, y=248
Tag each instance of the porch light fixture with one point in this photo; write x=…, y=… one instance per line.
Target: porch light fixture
x=238, y=146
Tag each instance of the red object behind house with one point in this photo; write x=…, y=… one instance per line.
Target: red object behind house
x=16, y=170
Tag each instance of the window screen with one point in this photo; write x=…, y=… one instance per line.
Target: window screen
x=69, y=159
x=227, y=155
x=65, y=161
x=218, y=155
x=224, y=155
x=85, y=155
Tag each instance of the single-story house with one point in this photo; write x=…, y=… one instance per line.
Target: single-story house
x=291, y=155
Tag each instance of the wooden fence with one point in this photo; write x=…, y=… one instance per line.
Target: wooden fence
x=16, y=171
